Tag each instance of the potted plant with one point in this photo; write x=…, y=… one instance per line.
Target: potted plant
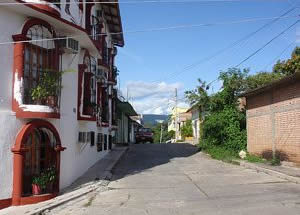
x=39, y=94
x=46, y=92
x=50, y=175
x=44, y=182
x=38, y=184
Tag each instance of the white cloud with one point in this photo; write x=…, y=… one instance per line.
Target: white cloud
x=152, y=98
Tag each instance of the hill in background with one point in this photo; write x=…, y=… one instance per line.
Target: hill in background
x=151, y=119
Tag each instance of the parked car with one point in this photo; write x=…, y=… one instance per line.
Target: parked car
x=144, y=135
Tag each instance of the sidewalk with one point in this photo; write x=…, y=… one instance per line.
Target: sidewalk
x=284, y=172
x=95, y=177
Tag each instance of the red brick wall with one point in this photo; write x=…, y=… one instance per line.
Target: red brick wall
x=273, y=122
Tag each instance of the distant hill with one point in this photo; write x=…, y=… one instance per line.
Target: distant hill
x=151, y=119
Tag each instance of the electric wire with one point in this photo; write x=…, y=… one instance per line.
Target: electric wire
x=133, y=2
x=269, y=42
x=155, y=29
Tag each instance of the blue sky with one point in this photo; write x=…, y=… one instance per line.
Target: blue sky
x=156, y=56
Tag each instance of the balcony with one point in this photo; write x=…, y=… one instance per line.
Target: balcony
x=115, y=73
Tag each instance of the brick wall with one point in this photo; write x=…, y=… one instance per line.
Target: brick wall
x=273, y=122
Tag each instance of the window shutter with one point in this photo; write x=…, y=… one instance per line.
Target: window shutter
x=87, y=92
x=92, y=134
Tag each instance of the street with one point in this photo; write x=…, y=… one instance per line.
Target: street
x=168, y=179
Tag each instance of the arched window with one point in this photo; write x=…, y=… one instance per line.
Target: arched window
x=89, y=91
x=41, y=65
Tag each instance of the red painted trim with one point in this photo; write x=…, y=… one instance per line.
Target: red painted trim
x=4, y=203
x=28, y=115
x=81, y=68
x=18, y=157
x=35, y=21
x=37, y=199
x=19, y=66
x=60, y=19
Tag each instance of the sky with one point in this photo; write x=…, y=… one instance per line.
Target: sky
x=153, y=63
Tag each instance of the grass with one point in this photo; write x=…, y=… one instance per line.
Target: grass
x=229, y=156
x=255, y=159
x=220, y=153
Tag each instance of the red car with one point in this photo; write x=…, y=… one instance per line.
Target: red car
x=144, y=135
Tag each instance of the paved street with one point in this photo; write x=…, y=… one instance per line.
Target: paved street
x=168, y=179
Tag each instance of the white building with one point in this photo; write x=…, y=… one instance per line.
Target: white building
x=43, y=125
x=196, y=123
x=126, y=126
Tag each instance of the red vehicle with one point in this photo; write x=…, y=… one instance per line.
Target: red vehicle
x=144, y=135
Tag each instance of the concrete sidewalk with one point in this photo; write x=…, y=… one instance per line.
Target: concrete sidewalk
x=284, y=172
x=95, y=178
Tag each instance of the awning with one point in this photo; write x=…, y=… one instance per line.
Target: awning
x=126, y=108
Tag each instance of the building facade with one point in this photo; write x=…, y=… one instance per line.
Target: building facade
x=174, y=116
x=273, y=120
x=197, y=119
x=57, y=100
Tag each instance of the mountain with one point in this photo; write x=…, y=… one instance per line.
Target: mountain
x=151, y=119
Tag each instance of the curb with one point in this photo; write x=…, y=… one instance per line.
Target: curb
x=81, y=191
x=270, y=172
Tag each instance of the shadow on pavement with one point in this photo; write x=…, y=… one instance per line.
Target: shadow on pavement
x=142, y=157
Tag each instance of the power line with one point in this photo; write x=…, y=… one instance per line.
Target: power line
x=156, y=29
x=219, y=52
x=131, y=2
x=278, y=56
x=270, y=41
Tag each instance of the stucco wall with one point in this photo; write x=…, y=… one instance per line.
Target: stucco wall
x=77, y=158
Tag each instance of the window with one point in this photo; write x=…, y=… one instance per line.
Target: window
x=99, y=142
x=105, y=54
x=82, y=137
x=41, y=67
x=90, y=93
x=105, y=141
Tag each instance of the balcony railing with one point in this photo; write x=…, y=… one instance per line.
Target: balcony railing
x=115, y=73
x=95, y=30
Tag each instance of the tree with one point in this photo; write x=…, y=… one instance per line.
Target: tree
x=290, y=66
x=187, y=129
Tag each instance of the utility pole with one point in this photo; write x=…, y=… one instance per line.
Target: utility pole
x=176, y=122
x=160, y=140
x=127, y=94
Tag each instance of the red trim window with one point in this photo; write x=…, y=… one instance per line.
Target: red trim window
x=104, y=104
x=36, y=72
x=105, y=52
x=41, y=66
x=89, y=83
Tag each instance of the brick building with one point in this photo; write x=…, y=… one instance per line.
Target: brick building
x=273, y=119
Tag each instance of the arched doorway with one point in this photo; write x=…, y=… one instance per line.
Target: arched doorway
x=36, y=154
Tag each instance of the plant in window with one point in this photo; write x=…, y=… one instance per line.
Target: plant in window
x=47, y=89
x=44, y=180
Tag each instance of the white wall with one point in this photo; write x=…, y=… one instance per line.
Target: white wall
x=76, y=159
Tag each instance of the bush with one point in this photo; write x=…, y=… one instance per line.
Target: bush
x=187, y=129
x=225, y=128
